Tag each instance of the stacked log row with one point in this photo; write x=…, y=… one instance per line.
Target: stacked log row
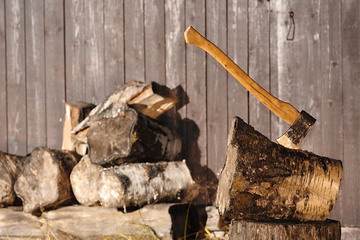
x=263, y=181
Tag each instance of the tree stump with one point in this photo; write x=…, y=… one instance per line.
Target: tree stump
x=44, y=182
x=143, y=183
x=10, y=167
x=83, y=180
x=263, y=180
x=130, y=137
x=246, y=229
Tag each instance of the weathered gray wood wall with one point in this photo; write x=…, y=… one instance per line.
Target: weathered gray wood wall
x=54, y=51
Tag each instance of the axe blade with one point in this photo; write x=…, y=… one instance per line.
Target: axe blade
x=293, y=137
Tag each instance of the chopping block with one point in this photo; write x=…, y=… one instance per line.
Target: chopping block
x=262, y=180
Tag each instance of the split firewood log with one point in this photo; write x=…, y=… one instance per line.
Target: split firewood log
x=10, y=167
x=151, y=100
x=154, y=100
x=130, y=137
x=263, y=180
x=113, y=104
x=285, y=230
x=44, y=181
x=75, y=112
x=143, y=183
x=83, y=180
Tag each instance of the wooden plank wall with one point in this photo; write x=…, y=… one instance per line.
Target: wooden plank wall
x=64, y=50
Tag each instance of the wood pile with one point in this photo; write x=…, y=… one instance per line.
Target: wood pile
x=272, y=192
x=115, y=154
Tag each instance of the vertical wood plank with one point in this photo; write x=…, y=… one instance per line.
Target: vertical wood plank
x=134, y=41
x=296, y=67
x=55, y=71
x=217, y=90
x=176, y=62
x=351, y=117
x=154, y=19
x=196, y=91
x=259, y=39
x=94, y=50
x=237, y=51
x=74, y=50
x=16, y=82
x=114, y=44
x=331, y=89
x=35, y=74
x=3, y=96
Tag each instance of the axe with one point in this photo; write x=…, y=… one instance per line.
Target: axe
x=300, y=122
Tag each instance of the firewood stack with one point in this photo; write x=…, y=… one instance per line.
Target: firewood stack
x=272, y=192
x=114, y=154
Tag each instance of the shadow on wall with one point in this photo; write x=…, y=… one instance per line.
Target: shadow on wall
x=189, y=132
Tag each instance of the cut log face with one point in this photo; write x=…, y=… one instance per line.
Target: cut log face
x=130, y=137
x=144, y=183
x=244, y=230
x=263, y=180
x=44, y=182
x=154, y=100
x=75, y=112
x=10, y=167
x=83, y=180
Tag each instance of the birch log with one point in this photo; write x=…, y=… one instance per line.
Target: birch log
x=10, y=167
x=83, y=180
x=44, y=182
x=244, y=230
x=143, y=183
x=264, y=180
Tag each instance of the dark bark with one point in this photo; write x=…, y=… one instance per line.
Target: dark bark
x=130, y=137
x=264, y=180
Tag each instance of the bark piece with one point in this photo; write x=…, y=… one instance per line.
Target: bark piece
x=75, y=112
x=154, y=100
x=84, y=181
x=113, y=105
x=144, y=183
x=264, y=180
x=10, y=167
x=131, y=137
x=44, y=182
x=245, y=229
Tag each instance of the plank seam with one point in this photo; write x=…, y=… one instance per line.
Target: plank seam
x=6, y=80
x=25, y=79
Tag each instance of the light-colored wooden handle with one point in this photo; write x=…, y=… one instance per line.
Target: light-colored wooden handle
x=282, y=109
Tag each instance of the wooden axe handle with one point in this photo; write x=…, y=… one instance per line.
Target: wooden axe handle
x=282, y=109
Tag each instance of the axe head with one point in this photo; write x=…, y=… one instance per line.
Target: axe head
x=293, y=137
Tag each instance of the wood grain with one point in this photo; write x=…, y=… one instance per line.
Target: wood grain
x=351, y=114
x=16, y=82
x=216, y=87
x=55, y=71
x=3, y=95
x=154, y=22
x=331, y=89
x=134, y=40
x=259, y=115
x=196, y=91
x=94, y=51
x=237, y=22
x=75, y=50
x=113, y=45
x=35, y=74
